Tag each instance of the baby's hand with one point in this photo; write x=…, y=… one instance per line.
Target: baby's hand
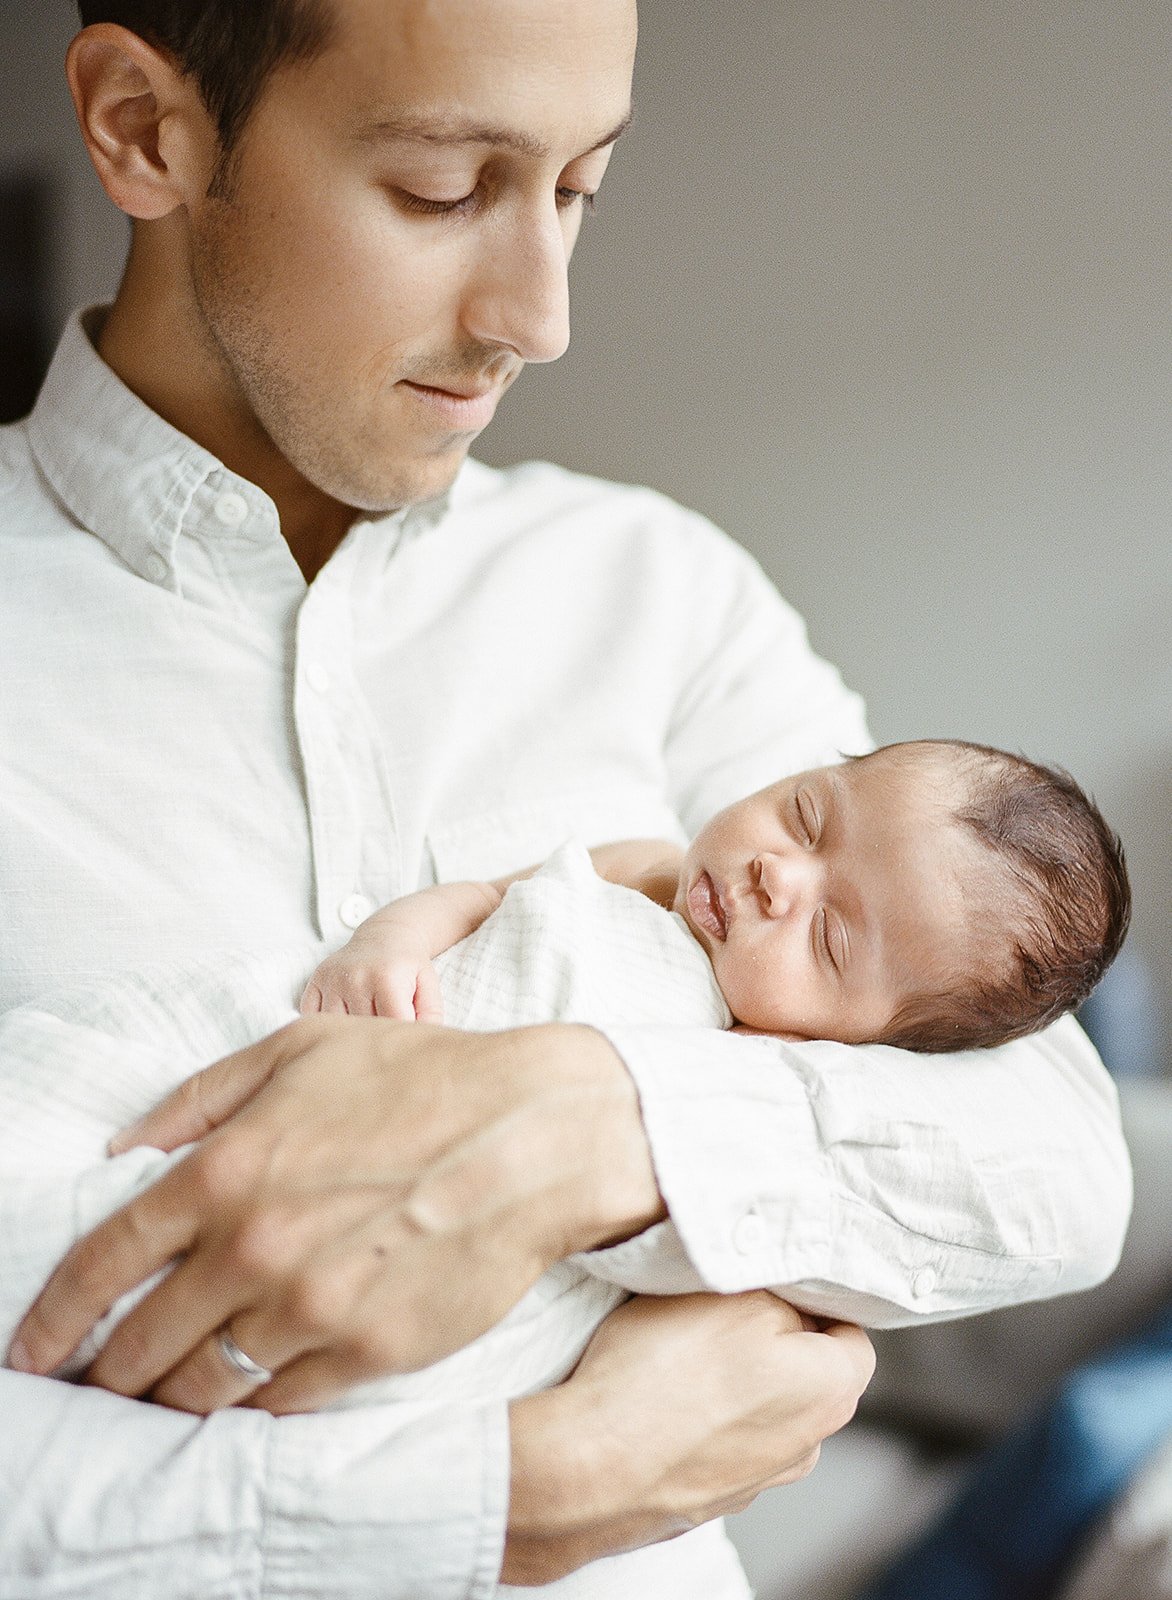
x=376, y=975
x=386, y=970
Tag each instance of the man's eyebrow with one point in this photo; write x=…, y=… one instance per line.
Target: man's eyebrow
x=424, y=129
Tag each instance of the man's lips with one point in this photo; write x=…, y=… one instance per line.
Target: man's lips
x=465, y=409
x=707, y=909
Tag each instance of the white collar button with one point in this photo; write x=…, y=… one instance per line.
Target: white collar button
x=231, y=510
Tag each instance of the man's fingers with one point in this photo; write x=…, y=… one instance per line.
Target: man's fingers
x=794, y=1472
x=310, y=1383
x=209, y=1379
x=124, y=1251
x=856, y=1350
x=167, y=1325
x=831, y=1369
x=208, y=1098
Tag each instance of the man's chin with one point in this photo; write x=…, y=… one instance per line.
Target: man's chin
x=411, y=485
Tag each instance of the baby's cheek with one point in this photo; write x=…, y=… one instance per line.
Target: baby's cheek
x=760, y=996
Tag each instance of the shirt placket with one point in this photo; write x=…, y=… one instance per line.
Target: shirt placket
x=356, y=858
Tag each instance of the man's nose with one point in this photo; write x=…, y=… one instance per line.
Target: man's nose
x=520, y=299
x=784, y=881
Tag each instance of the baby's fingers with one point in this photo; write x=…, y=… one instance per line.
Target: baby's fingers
x=429, y=1000
x=340, y=991
x=361, y=991
x=394, y=996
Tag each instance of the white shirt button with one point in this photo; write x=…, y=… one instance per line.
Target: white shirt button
x=923, y=1282
x=750, y=1234
x=317, y=677
x=355, y=908
x=231, y=510
x=156, y=567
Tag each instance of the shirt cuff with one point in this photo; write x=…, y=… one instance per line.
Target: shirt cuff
x=428, y=1523
x=738, y=1161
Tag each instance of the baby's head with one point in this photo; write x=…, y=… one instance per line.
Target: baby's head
x=934, y=895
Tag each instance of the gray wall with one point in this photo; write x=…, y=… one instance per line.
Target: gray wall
x=882, y=286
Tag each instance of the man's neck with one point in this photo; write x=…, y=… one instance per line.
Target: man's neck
x=150, y=343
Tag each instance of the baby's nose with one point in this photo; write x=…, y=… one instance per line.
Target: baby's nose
x=782, y=882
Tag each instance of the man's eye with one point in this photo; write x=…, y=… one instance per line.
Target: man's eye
x=570, y=197
x=421, y=206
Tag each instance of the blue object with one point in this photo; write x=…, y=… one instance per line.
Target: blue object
x=1123, y=1019
x=1017, y=1525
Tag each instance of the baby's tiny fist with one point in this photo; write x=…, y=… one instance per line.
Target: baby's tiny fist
x=311, y=1000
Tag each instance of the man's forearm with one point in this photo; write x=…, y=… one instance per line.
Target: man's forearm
x=873, y=1184
x=611, y=1191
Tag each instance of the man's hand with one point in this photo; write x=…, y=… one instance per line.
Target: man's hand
x=681, y=1410
x=366, y=1197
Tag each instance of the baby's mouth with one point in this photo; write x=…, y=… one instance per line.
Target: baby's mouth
x=706, y=908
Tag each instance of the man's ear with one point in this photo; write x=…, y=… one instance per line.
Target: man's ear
x=149, y=135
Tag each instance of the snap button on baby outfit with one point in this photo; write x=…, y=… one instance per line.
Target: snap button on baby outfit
x=355, y=908
x=231, y=510
x=749, y=1234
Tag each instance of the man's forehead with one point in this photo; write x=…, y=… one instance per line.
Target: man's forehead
x=496, y=30
x=449, y=70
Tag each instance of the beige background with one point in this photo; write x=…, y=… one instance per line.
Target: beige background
x=883, y=287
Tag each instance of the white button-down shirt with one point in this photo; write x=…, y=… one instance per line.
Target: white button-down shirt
x=198, y=749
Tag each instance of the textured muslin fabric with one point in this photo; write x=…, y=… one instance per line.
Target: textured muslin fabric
x=199, y=750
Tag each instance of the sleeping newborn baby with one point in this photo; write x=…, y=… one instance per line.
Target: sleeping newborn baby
x=934, y=895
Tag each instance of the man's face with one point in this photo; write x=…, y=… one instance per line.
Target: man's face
x=393, y=242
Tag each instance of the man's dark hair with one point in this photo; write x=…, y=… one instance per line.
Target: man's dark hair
x=1054, y=916
x=229, y=47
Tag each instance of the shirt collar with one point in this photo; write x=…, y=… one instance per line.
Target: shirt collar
x=127, y=475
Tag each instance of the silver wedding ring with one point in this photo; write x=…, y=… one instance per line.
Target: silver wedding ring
x=240, y=1361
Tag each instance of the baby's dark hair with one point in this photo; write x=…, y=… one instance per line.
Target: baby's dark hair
x=228, y=47
x=1062, y=894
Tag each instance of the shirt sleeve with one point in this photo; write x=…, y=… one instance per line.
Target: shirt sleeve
x=755, y=702
x=106, y=1496
x=865, y=1182
x=874, y=1184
